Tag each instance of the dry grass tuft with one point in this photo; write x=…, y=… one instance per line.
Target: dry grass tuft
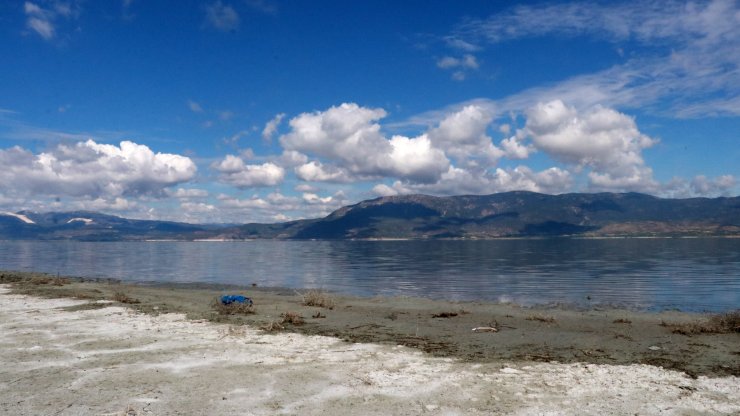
x=725, y=323
x=292, y=318
x=124, y=298
x=318, y=298
x=40, y=280
x=233, y=308
x=541, y=318
x=622, y=321
x=11, y=278
x=60, y=281
x=36, y=279
x=272, y=326
x=87, y=294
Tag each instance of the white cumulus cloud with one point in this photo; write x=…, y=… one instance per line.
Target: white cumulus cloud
x=197, y=207
x=94, y=170
x=347, y=133
x=349, y=140
x=515, y=148
x=291, y=158
x=699, y=186
x=314, y=199
x=416, y=160
x=704, y=186
x=106, y=204
x=553, y=180
x=186, y=193
x=458, y=181
x=241, y=175
x=316, y=171
x=463, y=136
x=304, y=187
x=602, y=139
x=382, y=189
x=279, y=207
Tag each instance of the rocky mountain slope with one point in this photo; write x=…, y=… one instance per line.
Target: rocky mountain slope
x=514, y=214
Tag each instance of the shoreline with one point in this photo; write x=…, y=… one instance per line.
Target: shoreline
x=69, y=357
x=397, y=239
x=439, y=328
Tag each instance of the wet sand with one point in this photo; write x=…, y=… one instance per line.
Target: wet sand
x=387, y=355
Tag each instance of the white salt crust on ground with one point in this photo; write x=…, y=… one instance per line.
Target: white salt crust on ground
x=111, y=361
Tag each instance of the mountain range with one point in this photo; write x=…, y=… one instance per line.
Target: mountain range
x=509, y=214
x=93, y=226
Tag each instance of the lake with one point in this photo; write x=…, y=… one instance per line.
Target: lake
x=701, y=274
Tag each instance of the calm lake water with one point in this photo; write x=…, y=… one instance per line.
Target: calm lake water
x=652, y=274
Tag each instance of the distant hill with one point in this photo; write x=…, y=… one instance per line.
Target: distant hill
x=509, y=214
x=513, y=214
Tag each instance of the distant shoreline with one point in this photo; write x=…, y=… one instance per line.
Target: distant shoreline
x=381, y=239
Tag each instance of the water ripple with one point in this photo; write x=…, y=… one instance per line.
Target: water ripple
x=654, y=274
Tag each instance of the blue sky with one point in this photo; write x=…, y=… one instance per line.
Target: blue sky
x=269, y=110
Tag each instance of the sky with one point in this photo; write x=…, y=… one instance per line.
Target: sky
x=269, y=110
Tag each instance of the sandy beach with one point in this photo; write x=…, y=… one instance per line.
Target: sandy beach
x=171, y=353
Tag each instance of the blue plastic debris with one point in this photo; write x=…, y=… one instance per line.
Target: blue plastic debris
x=229, y=299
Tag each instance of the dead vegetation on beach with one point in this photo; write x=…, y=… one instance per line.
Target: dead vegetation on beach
x=234, y=308
x=725, y=323
x=292, y=318
x=286, y=318
x=48, y=280
x=317, y=298
x=35, y=279
x=124, y=298
x=51, y=286
x=450, y=314
x=271, y=326
x=541, y=318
